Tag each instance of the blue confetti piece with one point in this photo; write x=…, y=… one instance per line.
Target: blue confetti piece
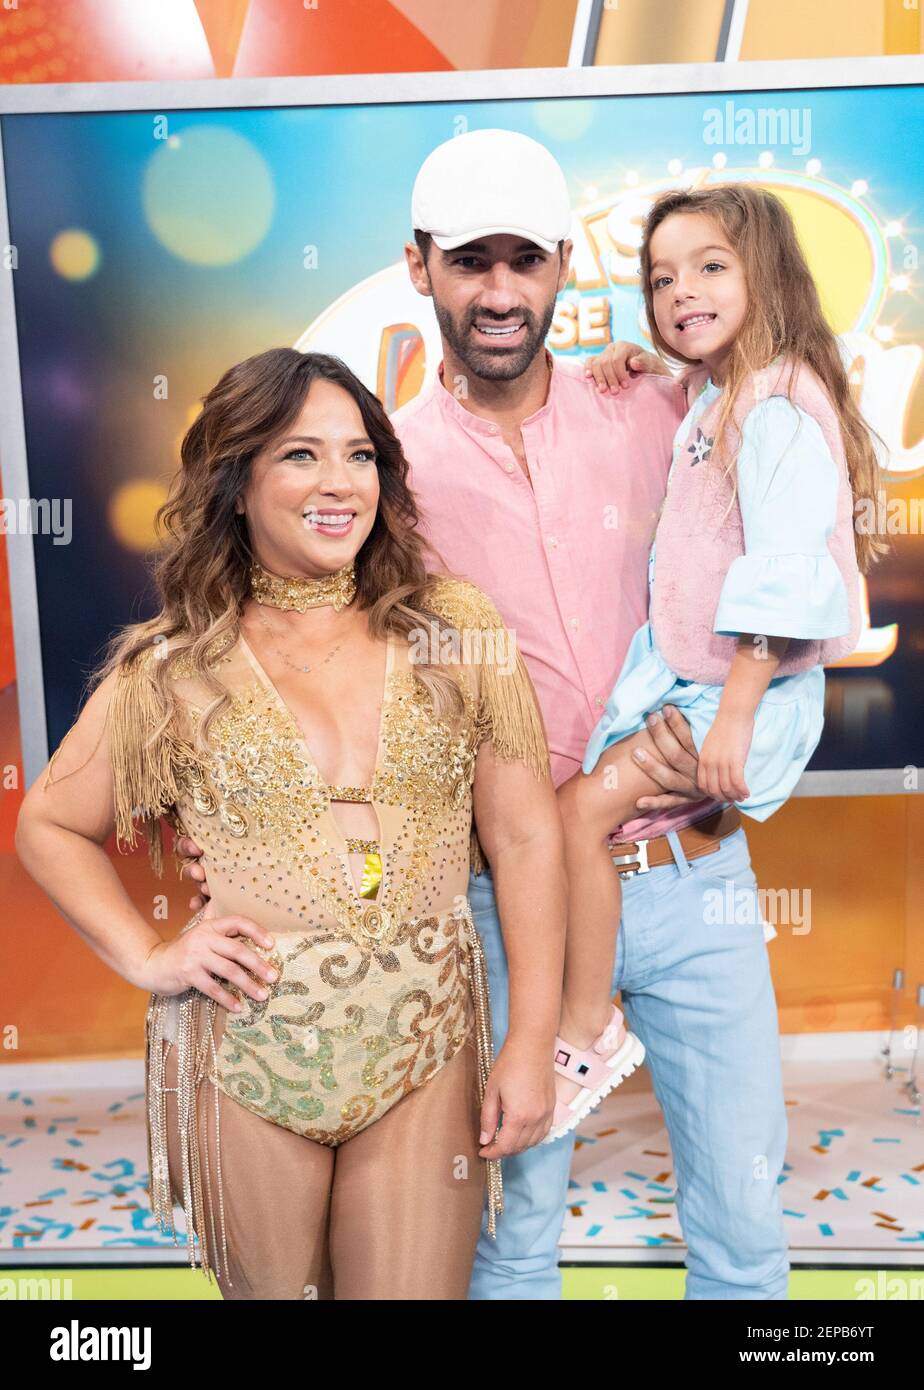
x=825, y=1228
x=639, y=1177
x=572, y=1183
x=787, y=1167
x=599, y=1186
x=627, y=1192
x=890, y=1141
x=854, y=1176
x=782, y=1178
x=836, y=1192
x=839, y=1132
x=56, y=1192
x=75, y=1143
x=594, y=1230
x=659, y=1187
x=910, y=1178
x=914, y=1110
x=799, y=1214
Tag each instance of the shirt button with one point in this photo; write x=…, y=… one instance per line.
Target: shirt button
x=492, y=429
x=575, y=623
x=599, y=700
x=508, y=467
x=553, y=541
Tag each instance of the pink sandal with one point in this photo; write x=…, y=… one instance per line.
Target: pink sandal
x=599, y=1069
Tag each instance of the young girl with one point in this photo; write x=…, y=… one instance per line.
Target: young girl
x=755, y=586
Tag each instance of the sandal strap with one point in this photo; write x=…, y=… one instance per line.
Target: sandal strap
x=589, y=1066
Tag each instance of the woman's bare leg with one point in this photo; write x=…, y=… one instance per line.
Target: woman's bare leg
x=592, y=806
x=276, y=1197
x=408, y=1193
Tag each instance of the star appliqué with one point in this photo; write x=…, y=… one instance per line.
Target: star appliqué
x=701, y=448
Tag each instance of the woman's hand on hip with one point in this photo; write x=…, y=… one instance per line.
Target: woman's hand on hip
x=212, y=947
x=521, y=1090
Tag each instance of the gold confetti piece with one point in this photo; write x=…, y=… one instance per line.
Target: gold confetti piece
x=821, y=1149
x=870, y=1182
x=656, y=1153
x=85, y=1225
x=887, y=1226
x=659, y=1215
x=605, y=1133
x=822, y=1194
x=84, y=1201
x=576, y=1211
x=39, y=1202
x=919, y=1168
x=87, y=1131
x=885, y=1216
x=662, y=1177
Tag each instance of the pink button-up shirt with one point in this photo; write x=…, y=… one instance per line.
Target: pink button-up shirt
x=565, y=555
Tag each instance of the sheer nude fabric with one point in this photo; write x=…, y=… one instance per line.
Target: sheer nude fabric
x=394, y=1213
x=362, y=1071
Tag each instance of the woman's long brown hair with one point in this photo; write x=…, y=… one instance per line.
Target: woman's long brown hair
x=201, y=572
x=783, y=317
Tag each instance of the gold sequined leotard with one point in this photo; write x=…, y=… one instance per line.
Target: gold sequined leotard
x=379, y=986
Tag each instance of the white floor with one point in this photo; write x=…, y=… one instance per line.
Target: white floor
x=73, y=1173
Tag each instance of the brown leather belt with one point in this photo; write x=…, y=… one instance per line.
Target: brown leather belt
x=633, y=857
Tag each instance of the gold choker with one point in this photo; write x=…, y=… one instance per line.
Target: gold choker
x=293, y=591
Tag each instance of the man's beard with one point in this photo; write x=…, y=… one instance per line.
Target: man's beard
x=500, y=363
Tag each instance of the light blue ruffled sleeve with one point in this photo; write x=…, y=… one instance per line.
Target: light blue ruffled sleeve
x=787, y=583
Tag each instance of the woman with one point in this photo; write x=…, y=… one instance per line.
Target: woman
x=310, y=707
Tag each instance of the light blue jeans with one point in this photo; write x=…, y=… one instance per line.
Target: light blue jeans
x=700, y=997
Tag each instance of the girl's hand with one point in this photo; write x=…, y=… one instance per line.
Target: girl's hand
x=210, y=948
x=620, y=363
x=723, y=756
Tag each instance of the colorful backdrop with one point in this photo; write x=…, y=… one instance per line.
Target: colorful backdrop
x=159, y=248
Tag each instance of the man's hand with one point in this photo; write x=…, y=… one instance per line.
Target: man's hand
x=521, y=1087
x=676, y=765
x=190, y=851
x=619, y=364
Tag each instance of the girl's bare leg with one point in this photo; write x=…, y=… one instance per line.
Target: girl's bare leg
x=409, y=1191
x=276, y=1188
x=592, y=807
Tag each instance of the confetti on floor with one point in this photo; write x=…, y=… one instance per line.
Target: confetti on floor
x=73, y=1170
x=850, y=1149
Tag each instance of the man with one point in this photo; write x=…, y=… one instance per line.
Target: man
x=544, y=491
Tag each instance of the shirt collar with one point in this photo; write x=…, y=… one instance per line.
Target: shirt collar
x=450, y=405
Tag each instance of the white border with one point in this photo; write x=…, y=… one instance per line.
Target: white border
x=374, y=89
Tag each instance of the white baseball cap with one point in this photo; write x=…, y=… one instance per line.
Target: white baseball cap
x=487, y=182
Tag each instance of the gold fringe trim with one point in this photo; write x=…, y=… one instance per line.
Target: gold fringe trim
x=485, y=1046
x=192, y=1067
x=147, y=777
x=515, y=723
x=192, y=1059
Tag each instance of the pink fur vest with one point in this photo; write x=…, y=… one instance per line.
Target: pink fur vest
x=700, y=533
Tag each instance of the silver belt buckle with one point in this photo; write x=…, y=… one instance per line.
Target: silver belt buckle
x=641, y=866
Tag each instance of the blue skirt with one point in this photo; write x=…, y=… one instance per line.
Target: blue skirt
x=787, y=725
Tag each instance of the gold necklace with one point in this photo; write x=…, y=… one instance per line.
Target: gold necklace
x=295, y=591
x=281, y=653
